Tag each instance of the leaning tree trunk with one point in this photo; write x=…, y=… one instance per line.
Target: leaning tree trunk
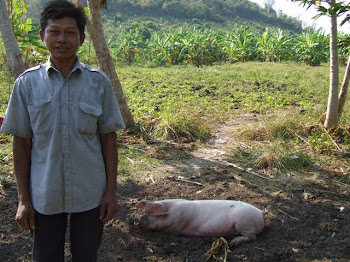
x=344, y=89
x=332, y=115
x=104, y=58
x=14, y=56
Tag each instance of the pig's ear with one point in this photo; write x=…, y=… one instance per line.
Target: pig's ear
x=156, y=209
x=141, y=204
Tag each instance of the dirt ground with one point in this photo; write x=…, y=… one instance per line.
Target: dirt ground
x=308, y=219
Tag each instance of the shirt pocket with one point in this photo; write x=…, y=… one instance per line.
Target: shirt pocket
x=88, y=118
x=41, y=118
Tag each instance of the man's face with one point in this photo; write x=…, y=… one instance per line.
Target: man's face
x=62, y=39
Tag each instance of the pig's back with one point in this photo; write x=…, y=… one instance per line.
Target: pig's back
x=214, y=218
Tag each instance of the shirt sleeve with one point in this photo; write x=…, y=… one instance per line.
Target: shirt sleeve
x=111, y=119
x=17, y=121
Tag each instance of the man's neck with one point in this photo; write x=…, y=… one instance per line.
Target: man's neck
x=64, y=67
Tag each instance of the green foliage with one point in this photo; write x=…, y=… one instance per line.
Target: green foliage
x=272, y=47
x=325, y=142
x=206, y=46
x=320, y=142
x=203, y=48
x=87, y=54
x=147, y=43
x=30, y=44
x=311, y=48
x=27, y=34
x=129, y=44
x=5, y=157
x=343, y=48
x=167, y=48
x=17, y=9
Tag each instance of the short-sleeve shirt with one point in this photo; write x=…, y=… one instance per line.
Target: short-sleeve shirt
x=64, y=117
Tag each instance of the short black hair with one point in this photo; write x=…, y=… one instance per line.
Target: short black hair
x=58, y=9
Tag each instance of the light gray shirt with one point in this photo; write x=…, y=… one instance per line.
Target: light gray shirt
x=64, y=117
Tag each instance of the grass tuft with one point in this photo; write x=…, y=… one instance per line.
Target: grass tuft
x=176, y=125
x=281, y=125
x=273, y=144
x=277, y=158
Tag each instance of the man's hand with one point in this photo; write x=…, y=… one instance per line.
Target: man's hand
x=108, y=207
x=22, y=148
x=25, y=216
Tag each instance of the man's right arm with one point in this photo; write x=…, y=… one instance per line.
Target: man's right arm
x=22, y=148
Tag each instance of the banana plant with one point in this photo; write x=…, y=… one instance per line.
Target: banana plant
x=237, y=45
x=271, y=47
x=129, y=44
x=168, y=47
x=157, y=48
x=312, y=48
x=280, y=46
x=202, y=47
x=264, y=46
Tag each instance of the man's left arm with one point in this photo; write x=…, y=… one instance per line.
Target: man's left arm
x=110, y=155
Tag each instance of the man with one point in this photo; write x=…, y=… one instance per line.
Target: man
x=63, y=115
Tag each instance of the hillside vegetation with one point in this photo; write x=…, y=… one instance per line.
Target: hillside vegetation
x=219, y=13
x=161, y=14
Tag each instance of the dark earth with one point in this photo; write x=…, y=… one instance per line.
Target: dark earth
x=308, y=219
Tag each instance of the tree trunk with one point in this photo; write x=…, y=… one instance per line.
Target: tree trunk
x=344, y=89
x=104, y=58
x=14, y=56
x=332, y=116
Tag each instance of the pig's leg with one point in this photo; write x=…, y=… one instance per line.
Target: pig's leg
x=242, y=239
x=245, y=232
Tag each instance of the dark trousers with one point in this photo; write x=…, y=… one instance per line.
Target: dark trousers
x=85, y=236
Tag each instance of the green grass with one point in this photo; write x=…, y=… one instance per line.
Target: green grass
x=6, y=83
x=223, y=91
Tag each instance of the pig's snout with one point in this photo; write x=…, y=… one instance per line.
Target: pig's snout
x=143, y=221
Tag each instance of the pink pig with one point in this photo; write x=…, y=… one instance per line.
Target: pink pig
x=204, y=218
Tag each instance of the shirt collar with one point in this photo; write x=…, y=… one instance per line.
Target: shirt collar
x=50, y=66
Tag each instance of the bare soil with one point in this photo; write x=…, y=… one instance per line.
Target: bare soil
x=308, y=219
